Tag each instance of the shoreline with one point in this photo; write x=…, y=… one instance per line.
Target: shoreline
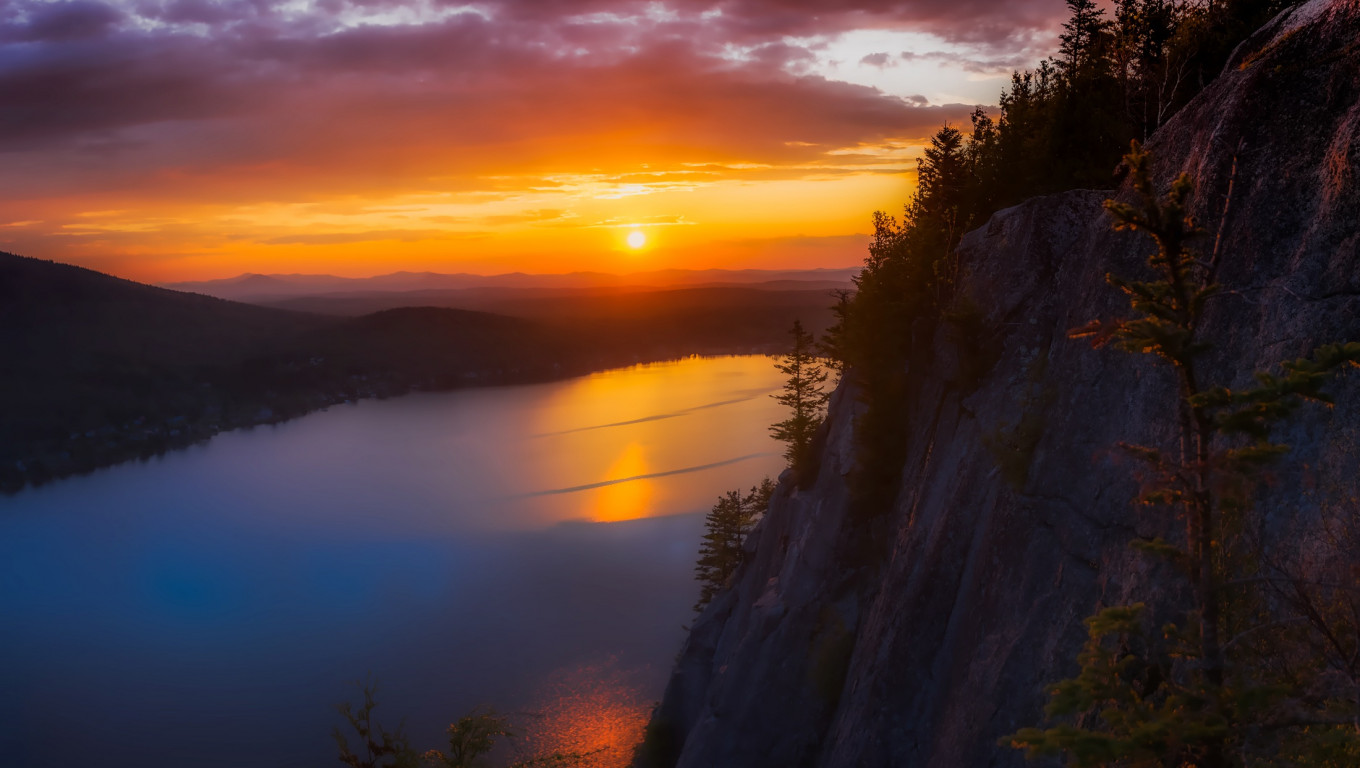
x=142, y=439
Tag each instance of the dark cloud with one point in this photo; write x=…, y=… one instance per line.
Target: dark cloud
x=198, y=11
x=993, y=65
x=73, y=20
x=993, y=22
x=255, y=94
x=66, y=90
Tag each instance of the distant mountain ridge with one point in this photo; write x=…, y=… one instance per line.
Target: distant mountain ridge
x=261, y=288
x=97, y=369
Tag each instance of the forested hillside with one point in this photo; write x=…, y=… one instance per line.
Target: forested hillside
x=998, y=506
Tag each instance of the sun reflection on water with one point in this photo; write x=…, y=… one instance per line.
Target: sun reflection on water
x=617, y=446
x=627, y=500
x=594, y=710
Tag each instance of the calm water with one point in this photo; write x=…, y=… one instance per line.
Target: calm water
x=529, y=547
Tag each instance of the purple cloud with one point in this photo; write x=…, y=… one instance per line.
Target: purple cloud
x=352, y=93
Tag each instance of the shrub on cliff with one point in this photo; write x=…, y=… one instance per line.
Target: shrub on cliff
x=805, y=396
x=471, y=739
x=725, y=528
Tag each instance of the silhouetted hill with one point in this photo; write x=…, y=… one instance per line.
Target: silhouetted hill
x=98, y=369
x=62, y=316
x=544, y=301
x=440, y=347
x=705, y=319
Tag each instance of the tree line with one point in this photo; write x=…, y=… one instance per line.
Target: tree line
x=1251, y=661
x=1063, y=125
x=1066, y=124
x=805, y=396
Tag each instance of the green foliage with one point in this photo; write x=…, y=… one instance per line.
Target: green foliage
x=471, y=738
x=833, y=345
x=725, y=529
x=907, y=282
x=806, y=398
x=1320, y=746
x=1085, y=40
x=1149, y=712
x=1220, y=685
x=378, y=747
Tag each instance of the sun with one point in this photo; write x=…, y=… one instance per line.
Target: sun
x=636, y=239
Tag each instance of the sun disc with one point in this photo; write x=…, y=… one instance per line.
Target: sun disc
x=636, y=240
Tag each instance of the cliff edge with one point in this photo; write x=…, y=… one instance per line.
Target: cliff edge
x=1013, y=514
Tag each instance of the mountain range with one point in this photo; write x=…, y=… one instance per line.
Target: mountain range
x=267, y=289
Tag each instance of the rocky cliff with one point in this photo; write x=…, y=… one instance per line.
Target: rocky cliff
x=1013, y=515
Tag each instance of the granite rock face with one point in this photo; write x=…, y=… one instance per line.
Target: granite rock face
x=1013, y=514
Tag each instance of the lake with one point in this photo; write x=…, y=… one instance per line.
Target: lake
x=530, y=548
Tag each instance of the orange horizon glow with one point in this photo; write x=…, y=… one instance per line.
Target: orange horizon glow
x=798, y=224
x=170, y=142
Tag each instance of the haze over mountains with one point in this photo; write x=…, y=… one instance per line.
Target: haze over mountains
x=272, y=289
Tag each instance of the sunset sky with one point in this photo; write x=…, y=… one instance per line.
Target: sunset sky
x=186, y=139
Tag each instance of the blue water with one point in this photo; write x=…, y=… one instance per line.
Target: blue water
x=506, y=546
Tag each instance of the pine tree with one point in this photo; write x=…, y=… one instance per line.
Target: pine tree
x=982, y=155
x=941, y=176
x=805, y=398
x=1185, y=693
x=758, y=498
x=834, y=345
x=720, y=550
x=1081, y=41
x=470, y=740
x=378, y=747
x=1153, y=73
x=725, y=530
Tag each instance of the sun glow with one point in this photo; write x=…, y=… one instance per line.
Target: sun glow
x=629, y=497
x=636, y=239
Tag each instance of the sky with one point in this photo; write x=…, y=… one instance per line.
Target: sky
x=165, y=140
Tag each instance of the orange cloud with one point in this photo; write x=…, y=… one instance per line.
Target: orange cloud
x=235, y=135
